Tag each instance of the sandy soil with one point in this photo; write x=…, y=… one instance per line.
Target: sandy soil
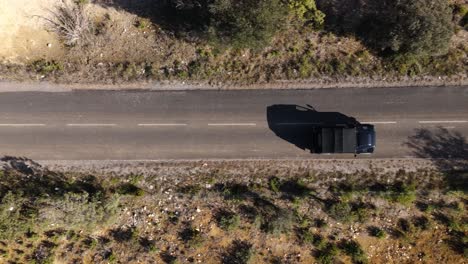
x=22, y=32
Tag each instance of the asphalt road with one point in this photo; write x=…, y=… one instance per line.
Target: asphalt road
x=126, y=125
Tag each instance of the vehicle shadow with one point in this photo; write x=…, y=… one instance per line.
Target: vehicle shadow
x=296, y=124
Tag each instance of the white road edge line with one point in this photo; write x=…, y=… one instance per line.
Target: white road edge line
x=145, y=125
x=443, y=122
x=233, y=124
x=90, y=125
x=21, y=125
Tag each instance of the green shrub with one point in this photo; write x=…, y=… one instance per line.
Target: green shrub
x=245, y=23
x=278, y=222
x=327, y=254
x=240, y=252
x=228, y=220
x=306, y=10
x=142, y=23
x=354, y=250
x=407, y=65
x=320, y=223
x=422, y=222
x=417, y=27
x=341, y=211
x=78, y=211
x=129, y=189
x=274, y=183
x=406, y=194
x=319, y=242
x=14, y=220
x=306, y=68
x=377, y=232
x=401, y=193
x=191, y=237
x=306, y=236
x=460, y=12
x=46, y=67
x=404, y=227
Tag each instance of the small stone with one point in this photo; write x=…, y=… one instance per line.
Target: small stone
x=49, y=45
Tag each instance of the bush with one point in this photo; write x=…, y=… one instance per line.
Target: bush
x=274, y=183
x=327, y=254
x=377, y=232
x=71, y=22
x=129, y=189
x=14, y=220
x=228, y=220
x=279, y=222
x=240, y=252
x=46, y=67
x=245, y=23
x=417, y=27
x=460, y=12
x=353, y=249
x=422, y=223
x=191, y=237
x=341, y=211
x=404, y=194
x=307, y=11
x=305, y=236
x=78, y=211
x=318, y=241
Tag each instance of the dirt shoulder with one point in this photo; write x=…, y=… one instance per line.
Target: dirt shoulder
x=42, y=86
x=240, y=167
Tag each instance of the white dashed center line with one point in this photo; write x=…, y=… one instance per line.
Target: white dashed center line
x=232, y=124
x=444, y=122
x=380, y=122
x=91, y=125
x=22, y=125
x=150, y=125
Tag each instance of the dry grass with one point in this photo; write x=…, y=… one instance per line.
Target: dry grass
x=71, y=22
x=229, y=211
x=124, y=47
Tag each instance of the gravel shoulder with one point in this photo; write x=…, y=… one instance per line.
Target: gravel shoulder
x=8, y=86
x=239, y=167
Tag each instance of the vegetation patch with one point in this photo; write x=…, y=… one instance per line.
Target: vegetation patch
x=219, y=42
x=316, y=216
